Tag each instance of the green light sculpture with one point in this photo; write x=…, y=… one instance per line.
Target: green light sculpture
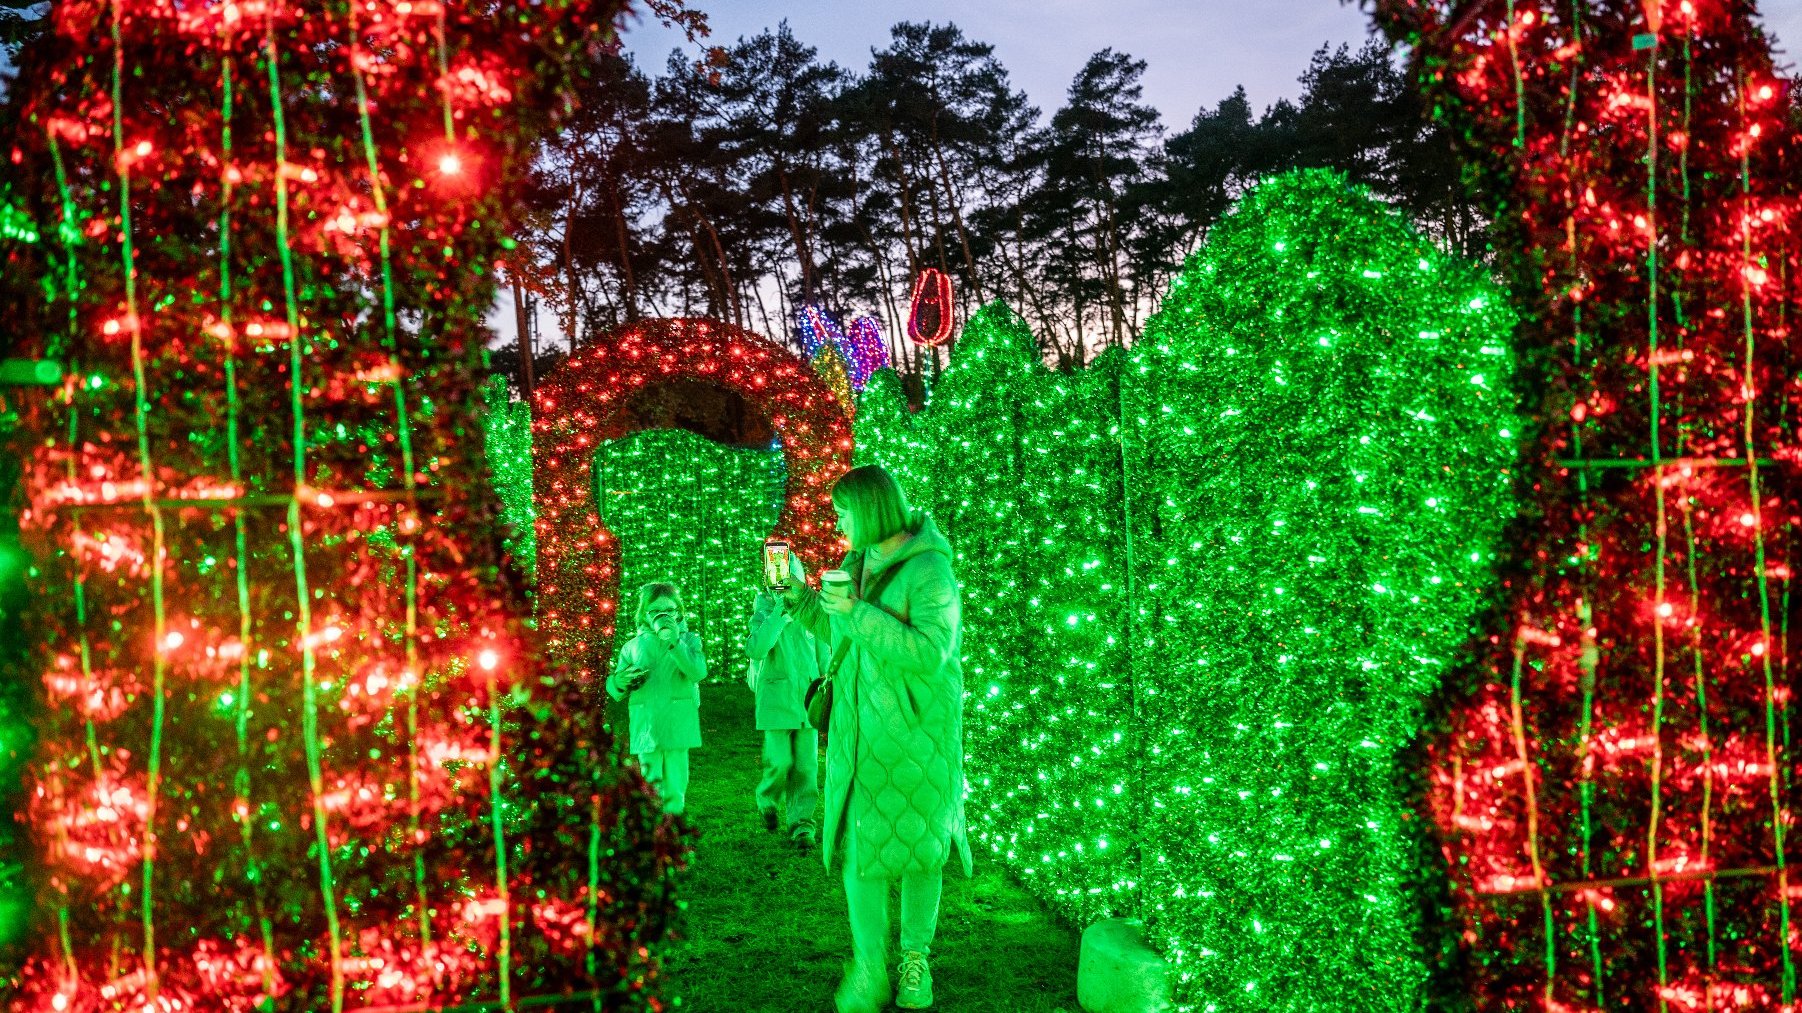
x=1210, y=585
x=1328, y=425
x=508, y=427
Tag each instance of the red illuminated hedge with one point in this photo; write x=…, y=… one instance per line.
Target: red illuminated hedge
x=298, y=750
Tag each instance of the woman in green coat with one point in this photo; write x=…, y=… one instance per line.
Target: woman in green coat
x=894, y=744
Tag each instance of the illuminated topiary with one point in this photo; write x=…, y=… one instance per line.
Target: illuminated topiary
x=1327, y=424
x=1153, y=727
x=508, y=448
x=1616, y=786
x=300, y=747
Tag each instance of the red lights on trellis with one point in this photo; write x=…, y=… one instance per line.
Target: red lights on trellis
x=283, y=760
x=1616, y=791
x=931, y=314
x=584, y=401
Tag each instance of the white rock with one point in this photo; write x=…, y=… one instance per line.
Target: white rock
x=1118, y=973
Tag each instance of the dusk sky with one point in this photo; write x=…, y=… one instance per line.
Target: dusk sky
x=1197, y=50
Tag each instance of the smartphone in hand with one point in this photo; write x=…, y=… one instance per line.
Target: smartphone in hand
x=775, y=564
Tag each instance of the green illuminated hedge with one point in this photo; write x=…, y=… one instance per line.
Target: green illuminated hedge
x=1210, y=586
x=683, y=507
x=691, y=511
x=507, y=425
x=1021, y=469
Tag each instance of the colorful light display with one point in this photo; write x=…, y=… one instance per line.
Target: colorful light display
x=585, y=402
x=865, y=351
x=860, y=346
x=829, y=365
x=1201, y=634
x=1616, y=787
x=931, y=313
x=817, y=329
x=298, y=749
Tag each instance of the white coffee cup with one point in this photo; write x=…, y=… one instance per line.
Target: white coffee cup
x=836, y=581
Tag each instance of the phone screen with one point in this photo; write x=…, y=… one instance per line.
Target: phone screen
x=775, y=564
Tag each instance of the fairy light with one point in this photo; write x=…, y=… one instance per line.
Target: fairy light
x=865, y=351
x=931, y=314
x=1194, y=659
x=1633, y=743
x=585, y=402
x=817, y=329
x=507, y=426
x=729, y=499
x=280, y=585
x=829, y=365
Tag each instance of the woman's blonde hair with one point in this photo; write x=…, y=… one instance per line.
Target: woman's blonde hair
x=654, y=590
x=875, y=504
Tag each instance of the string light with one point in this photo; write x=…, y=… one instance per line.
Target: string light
x=817, y=329
x=1614, y=787
x=299, y=747
x=861, y=346
x=829, y=365
x=727, y=500
x=507, y=426
x=931, y=314
x=586, y=401
x=865, y=351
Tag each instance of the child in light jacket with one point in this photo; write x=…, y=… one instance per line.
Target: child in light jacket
x=661, y=669
x=785, y=659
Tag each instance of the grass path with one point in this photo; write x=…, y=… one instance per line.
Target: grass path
x=765, y=926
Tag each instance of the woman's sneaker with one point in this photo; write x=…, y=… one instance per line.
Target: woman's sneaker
x=770, y=820
x=864, y=989
x=916, y=982
x=804, y=836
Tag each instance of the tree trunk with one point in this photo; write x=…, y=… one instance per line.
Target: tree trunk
x=957, y=217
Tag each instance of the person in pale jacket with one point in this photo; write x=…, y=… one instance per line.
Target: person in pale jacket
x=661, y=669
x=894, y=742
x=785, y=659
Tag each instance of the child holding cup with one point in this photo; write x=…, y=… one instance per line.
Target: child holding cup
x=659, y=672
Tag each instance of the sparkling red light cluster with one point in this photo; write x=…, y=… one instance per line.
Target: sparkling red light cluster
x=1615, y=792
x=586, y=400
x=297, y=749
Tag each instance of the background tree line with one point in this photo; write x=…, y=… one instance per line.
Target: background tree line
x=744, y=186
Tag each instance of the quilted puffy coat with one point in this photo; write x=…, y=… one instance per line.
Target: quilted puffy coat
x=665, y=712
x=785, y=659
x=895, y=745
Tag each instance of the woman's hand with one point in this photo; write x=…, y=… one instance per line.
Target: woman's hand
x=632, y=678
x=837, y=604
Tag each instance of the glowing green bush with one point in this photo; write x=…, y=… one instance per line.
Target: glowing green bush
x=1327, y=425
x=1208, y=588
x=1021, y=469
x=507, y=425
x=691, y=511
